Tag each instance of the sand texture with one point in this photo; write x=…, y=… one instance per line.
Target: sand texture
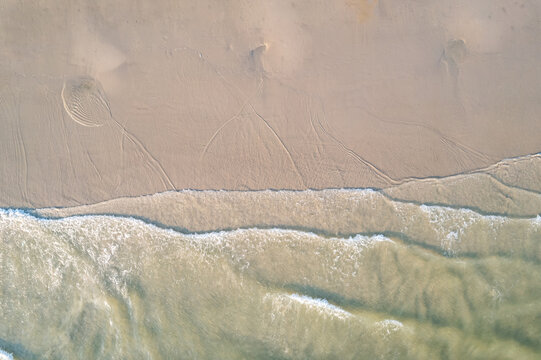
x=100, y=100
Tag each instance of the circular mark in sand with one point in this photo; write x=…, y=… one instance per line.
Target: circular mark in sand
x=85, y=101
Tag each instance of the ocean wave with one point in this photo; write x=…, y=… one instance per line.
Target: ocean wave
x=284, y=302
x=449, y=230
x=99, y=276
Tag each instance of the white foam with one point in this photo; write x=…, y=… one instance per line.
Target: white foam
x=369, y=240
x=450, y=224
x=322, y=306
x=122, y=228
x=4, y=355
x=389, y=326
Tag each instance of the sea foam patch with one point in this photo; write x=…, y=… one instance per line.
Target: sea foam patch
x=285, y=302
x=4, y=355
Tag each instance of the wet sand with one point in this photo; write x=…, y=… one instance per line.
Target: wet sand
x=503, y=189
x=104, y=101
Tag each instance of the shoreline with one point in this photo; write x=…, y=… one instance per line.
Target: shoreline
x=407, y=181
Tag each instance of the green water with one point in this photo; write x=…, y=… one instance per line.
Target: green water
x=332, y=274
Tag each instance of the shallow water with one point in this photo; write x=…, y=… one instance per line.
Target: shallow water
x=419, y=271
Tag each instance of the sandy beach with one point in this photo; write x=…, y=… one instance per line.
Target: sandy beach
x=338, y=179
x=103, y=101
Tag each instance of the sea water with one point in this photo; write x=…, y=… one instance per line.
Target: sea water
x=434, y=269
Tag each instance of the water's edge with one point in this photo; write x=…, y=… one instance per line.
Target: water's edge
x=446, y=268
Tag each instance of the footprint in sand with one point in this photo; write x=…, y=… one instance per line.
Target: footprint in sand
x=454, y=54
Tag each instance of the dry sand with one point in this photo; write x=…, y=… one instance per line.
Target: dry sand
x=123, y=98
